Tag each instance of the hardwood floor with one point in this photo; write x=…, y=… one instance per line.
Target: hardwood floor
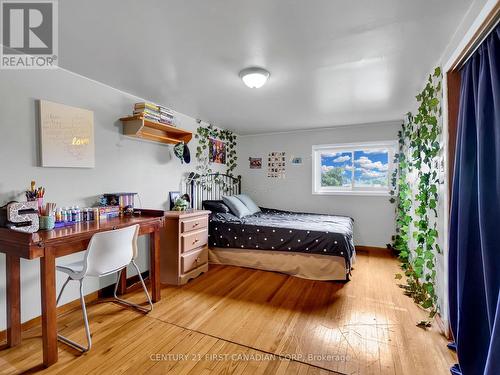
x=242, y=321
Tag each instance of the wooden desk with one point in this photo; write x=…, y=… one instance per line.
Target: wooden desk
x=48, y=245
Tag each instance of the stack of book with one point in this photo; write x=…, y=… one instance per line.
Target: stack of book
x=153, y=112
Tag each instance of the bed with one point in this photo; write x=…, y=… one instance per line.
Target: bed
x=311, y=246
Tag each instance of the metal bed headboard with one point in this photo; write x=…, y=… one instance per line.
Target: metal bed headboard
x=211, y=187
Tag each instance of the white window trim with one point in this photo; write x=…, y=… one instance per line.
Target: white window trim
x=343, y=147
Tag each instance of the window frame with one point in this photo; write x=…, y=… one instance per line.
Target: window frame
x=317, y=189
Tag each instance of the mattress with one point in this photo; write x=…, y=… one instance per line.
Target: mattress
x=277, y=230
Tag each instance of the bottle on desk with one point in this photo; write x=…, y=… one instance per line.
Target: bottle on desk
x=66, y=215
x=74, y=214
x=58, y=215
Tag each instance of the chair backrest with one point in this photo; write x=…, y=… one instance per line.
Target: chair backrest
x=111, y=250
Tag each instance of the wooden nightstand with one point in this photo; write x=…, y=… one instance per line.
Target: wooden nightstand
x=184, y=250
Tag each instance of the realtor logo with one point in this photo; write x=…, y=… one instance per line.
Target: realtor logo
x=28, y=34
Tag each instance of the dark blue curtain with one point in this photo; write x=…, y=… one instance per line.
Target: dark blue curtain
x=474, y=251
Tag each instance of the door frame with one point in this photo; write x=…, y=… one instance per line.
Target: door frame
x=477, y=32
x=481, y=28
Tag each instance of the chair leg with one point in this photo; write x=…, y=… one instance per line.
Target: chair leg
x=62, y=290
x=85, y=322
x=143, y=285
x=134, y=305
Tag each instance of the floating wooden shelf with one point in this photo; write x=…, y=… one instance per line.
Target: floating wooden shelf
x=139, y=127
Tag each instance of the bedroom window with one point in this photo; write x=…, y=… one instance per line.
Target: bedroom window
x=362, y=168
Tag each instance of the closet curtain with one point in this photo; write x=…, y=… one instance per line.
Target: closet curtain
x=474, y=251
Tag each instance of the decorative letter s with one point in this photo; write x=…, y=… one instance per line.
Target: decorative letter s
x=23, y=212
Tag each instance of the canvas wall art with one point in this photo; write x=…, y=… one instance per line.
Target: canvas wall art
x=66, y=136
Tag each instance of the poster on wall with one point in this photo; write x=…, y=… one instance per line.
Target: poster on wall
x=66, y=136
x=216, y=151
x=276, y=165
x=255, y=163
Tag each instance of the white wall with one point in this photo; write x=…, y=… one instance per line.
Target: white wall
x=122, y=164
x=373, y=215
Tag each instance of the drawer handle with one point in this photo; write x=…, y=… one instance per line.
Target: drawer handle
x=196, y=240
x=197, y=260
x=196, y=224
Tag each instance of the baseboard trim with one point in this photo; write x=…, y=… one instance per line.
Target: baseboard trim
x=443, y=329
x=370, y=248
x=70, y=306
x=107, y=291
x=133, y=283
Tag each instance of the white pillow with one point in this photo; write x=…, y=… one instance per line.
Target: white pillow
x=249, y=203
x=236, y=206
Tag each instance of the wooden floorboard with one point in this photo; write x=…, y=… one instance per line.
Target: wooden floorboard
x=241, y=321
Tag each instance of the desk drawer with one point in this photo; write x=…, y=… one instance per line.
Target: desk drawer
x=189, y=225
x=193, y=240
x=193, y=260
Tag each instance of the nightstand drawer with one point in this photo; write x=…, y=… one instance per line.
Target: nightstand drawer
x=193, y=240
x=193, y=260
x=194, y=224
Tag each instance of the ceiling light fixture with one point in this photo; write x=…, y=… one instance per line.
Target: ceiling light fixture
x=254, y=77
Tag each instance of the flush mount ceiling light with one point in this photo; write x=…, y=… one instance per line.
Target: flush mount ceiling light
x=254, y=77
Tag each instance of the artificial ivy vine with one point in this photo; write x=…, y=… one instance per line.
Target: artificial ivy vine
x=415, y=191
x=204, y=166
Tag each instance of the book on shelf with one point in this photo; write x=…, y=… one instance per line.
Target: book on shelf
x=157, y=119
x=166, y=111
x=154, y=112
x=148, y=111
x=147, y=105
x=154, y=116
x=154, y=107
x=149, y=117
x=165, y=114
x=157, y=109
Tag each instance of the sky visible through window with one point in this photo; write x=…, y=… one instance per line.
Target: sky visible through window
x=370, y=168
x=336, y=169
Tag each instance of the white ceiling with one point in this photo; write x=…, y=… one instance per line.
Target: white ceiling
x=332, y=62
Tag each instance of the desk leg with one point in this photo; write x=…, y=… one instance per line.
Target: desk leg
x=49, y=313
x=122, y=283
x=13, y=301
x=154, y=266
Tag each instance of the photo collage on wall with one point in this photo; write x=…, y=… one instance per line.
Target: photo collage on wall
x=276, y=165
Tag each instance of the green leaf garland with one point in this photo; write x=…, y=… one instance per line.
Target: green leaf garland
x=415, y=185
x=204, y=166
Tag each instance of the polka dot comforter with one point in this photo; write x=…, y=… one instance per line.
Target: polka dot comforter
x=279, y=230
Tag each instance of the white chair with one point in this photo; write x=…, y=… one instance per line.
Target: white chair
x=108, y=252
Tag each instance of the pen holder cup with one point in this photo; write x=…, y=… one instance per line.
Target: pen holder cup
x=40, y=204
x=47, y=222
